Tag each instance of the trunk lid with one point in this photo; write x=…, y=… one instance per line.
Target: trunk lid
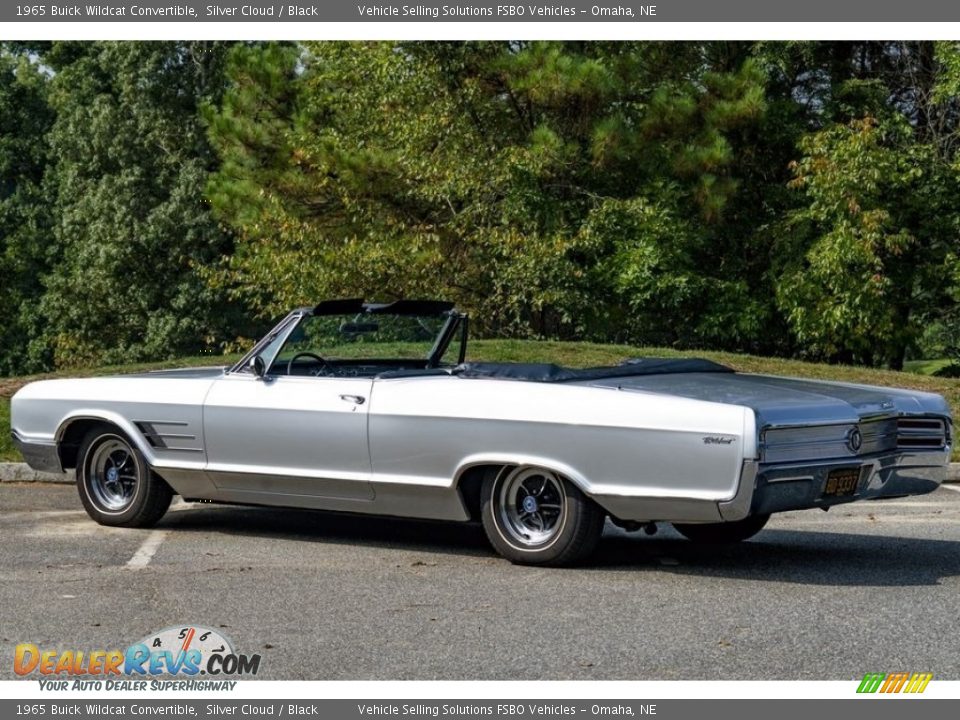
x=783, y=401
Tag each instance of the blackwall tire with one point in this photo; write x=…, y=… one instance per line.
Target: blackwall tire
x=116, y=485
x=533, y=516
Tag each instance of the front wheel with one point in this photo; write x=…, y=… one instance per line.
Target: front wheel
x=116, y=485
x=532, y=516
x=723, y=533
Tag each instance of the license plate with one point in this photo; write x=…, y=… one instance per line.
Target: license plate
x=842, y=482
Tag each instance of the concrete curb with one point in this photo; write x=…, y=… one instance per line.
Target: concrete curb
x=21, y=472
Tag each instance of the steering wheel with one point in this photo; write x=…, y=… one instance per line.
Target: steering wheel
x=309, y=355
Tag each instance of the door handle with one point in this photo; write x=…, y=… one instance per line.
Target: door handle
x=355, y=399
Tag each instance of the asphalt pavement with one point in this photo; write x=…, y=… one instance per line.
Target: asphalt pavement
x=868, y=587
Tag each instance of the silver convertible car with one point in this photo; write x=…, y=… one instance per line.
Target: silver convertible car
x=370, y=408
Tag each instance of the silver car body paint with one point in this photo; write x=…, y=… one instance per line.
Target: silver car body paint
x=674, y=447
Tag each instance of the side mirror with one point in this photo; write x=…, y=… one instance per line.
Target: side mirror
x=258, y=366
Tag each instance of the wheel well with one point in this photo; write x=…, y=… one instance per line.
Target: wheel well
x=470, y=485
x=69, y=444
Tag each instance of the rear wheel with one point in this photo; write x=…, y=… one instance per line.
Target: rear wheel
x=115, y=483
x=723, y=533
x=533, y=516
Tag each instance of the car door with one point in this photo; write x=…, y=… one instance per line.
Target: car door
x=289, y=435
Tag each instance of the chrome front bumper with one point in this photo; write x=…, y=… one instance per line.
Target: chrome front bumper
x=43, y=457
x=887, y=475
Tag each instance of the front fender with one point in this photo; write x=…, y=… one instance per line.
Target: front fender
x=107, y=416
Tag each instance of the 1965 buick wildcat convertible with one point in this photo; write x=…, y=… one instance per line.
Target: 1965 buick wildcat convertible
x=363, y=407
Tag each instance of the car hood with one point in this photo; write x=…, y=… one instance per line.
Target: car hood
x=779, y=401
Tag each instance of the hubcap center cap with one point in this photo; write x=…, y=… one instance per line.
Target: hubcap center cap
x=530, y=504
x=112, y=475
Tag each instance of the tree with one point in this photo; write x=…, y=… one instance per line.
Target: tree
x=538, y=184
x=132, y=225
x=869, y=258
x=26, y=248
x=779, y=198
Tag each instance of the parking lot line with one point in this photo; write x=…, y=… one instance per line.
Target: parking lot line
x=141, y=558
x=955, y=488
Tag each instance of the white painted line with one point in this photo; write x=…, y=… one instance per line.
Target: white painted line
x=951, y=487
x=33, y=514
x=141, y=558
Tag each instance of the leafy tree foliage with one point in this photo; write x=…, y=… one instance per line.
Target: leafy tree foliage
x=132, y=225
x=554, y=189
x=779, y=198
x=870, y=256
x=26, y=250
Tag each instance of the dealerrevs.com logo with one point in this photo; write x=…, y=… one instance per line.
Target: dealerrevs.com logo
x=179, y=652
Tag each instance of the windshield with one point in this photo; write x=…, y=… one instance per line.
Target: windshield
x=327, y=344
x=364, y=336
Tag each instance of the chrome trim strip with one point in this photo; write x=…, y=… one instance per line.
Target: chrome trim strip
x=287, y=324
x=157, y=440
x=802, y=443
x=899, y=458
x=791, y=478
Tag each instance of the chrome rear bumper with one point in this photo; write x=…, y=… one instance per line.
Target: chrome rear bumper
x=769, y=488
x=801, y=486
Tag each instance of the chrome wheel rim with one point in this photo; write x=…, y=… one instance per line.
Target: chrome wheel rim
x=113, y=475
x=532, y=506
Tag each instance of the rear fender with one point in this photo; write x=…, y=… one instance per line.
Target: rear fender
x=572, y=474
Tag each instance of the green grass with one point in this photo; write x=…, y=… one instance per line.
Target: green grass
x=926, y=367
x=562, y=353
x=7, y=452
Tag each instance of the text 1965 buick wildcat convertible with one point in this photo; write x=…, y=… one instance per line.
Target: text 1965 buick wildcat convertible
x=363, y=407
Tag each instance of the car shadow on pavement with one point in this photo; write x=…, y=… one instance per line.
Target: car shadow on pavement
x=808, y=557
x=333, y=528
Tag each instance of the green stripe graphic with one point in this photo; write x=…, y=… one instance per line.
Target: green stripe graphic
x=871, y=682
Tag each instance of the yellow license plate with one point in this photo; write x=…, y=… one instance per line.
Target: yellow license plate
x=842, y=482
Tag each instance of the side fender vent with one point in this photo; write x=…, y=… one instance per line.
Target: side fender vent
x=168, y=435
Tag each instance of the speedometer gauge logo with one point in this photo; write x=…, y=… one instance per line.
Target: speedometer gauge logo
x=194, y=649
x=181, y=640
